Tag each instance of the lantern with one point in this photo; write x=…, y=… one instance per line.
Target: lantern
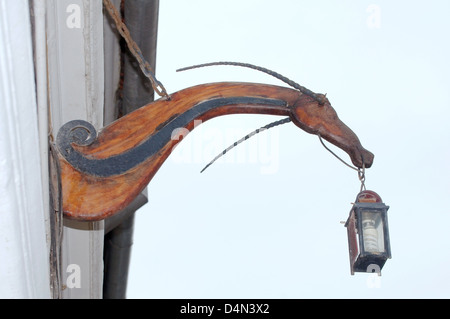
x=368, y=233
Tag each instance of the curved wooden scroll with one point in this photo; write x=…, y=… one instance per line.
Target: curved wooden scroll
x=102, y=174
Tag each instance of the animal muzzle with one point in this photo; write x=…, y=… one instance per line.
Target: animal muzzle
x=362, y=157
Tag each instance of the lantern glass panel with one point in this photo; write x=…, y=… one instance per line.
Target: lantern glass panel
x=372, y=231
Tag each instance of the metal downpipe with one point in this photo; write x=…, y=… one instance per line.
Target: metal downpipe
x=141, y=18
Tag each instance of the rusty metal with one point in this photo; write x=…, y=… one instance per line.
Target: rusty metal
x=246, y=137
x=316, y=96
x=158, y=87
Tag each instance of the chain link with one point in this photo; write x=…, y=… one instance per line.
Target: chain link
x=135, y=51
x=362, y=177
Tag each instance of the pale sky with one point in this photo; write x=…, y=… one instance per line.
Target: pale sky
x=264, y=222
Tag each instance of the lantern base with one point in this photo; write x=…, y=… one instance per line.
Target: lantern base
x=369, y=264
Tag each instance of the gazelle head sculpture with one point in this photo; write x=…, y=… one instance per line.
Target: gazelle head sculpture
x=100, y=175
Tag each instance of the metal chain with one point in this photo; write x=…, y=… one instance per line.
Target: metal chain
x=362, y=177
x=134, y=49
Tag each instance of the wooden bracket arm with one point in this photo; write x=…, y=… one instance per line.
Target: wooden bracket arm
x=102, y=173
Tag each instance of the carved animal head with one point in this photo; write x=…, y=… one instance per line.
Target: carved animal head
x=315, y=115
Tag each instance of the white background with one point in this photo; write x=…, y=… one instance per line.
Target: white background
x=264, y=222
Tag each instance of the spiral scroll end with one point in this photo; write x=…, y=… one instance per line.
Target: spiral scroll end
x=77, y=131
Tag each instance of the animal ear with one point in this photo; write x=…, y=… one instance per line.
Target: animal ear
x=322, y=98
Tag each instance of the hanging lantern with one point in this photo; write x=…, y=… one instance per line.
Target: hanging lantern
x=368, y=233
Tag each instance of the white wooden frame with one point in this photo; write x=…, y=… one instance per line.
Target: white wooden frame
x=75, y=75
x=24, y=263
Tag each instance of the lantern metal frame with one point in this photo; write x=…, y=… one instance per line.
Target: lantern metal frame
x=362, y=260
